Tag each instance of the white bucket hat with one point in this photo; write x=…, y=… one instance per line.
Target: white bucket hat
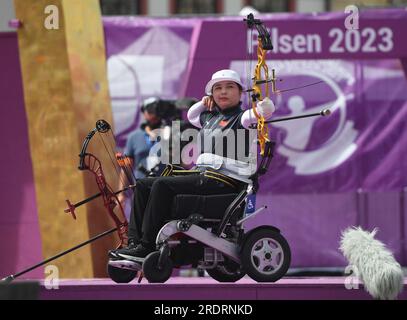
x=222, y=75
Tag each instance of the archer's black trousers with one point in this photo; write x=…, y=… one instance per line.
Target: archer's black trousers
x=153, y=197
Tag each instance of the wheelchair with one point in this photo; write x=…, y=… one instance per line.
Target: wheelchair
x=209, y=234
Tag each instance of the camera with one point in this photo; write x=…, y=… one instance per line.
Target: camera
x=168, y=110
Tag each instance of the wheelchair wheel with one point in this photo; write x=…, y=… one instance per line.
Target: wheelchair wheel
x=152, y=272
x=228, y=272
x=266, y=255
x=121, y=275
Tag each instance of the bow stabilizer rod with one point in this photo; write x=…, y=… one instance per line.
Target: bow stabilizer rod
x=324, y=113
x=14, y=276
x=72, y=206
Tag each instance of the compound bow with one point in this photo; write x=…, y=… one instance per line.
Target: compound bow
x=261, y=77
x=90, y=162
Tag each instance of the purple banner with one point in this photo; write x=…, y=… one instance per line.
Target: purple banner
x=361, y=144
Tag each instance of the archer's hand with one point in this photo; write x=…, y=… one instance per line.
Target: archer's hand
x=266, y=108
x=208, y=102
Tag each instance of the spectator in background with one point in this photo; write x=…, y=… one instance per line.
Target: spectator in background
x=140, y=142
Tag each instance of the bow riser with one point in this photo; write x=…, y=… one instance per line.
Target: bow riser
x=261, y=77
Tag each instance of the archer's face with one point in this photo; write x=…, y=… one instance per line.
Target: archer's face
x=226, y=94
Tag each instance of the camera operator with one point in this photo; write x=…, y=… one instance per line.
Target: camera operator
x=142, y=146
x=140, y=142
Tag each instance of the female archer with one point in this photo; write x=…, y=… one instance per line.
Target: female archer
x=219, y=168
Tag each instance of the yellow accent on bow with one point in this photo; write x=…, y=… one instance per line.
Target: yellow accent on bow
x=264, y=44
x=262, y=129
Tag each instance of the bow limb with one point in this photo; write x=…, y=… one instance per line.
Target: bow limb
x=110, y=199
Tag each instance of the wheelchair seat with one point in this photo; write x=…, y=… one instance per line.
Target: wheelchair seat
x=209, y=206
x=221, y=206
